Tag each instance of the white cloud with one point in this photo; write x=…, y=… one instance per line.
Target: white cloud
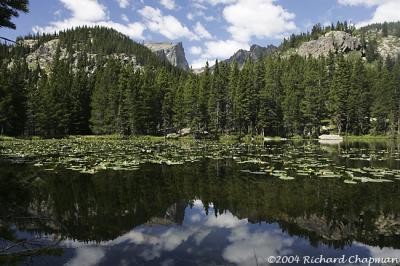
x=168, y=4
x=246, y=246
x=247, y=19
x=259, y=18
x=201, y=14
x=86, y=256
x=200, y=63
x=196, y=50
x=190, y=16
x=123, y=3
x=215, y=2
x=362, y=2
x=224, y=49
x=90, y=13
x=168, y=26
x=386, y=10
x=86, y=10
x=218, y=50
x=201, y=31
x=224, y=2
x=124, y=18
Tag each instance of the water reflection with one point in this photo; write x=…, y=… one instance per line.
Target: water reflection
x=204, y=213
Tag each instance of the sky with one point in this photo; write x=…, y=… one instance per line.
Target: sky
x=208, y=29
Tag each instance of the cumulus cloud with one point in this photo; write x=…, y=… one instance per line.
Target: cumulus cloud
x=124, y=18
x=196, y=50
x=218, y=50
x=86, y=10
x=259, y=18
x=385, y=10
x=123, y=3
x=223, y=49
x=90, y=13
x=168, y=26
x=201, y=31
x=247, y=19
x=168, y=4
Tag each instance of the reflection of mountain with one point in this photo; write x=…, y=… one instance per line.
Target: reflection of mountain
x=109, y=204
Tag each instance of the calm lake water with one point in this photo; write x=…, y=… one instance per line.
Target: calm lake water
x=282, y=198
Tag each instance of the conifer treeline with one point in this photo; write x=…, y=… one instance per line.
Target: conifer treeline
x=273, y=96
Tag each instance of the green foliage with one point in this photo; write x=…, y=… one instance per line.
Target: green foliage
x=10, y=9
x=275, y=96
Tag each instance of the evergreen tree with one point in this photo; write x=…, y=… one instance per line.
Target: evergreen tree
x=270, y=111
x=204, y=94
x=359, y=102
x=338, y=97
x=10, y=9
x=293, y=93
x=312, y=104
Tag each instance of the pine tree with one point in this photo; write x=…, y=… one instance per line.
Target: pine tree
x=270, y=113
x=338, y=96
x=385, y=30
x=10, y=9
x=359, y=102
x=204, y=94
x=80, y=99
x=312, y=103
x=372, y=50
x=104, y=104
x=191, y=100
x=233, y=104
x=293, y=94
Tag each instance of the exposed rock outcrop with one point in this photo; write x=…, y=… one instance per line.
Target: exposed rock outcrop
x=256, y=52
x=174, y=53
x=389, y=46
x=334, y=41
x=43, y=56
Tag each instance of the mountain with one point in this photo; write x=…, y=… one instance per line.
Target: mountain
x=256, y=52
x=173, y=53
x=95, y=44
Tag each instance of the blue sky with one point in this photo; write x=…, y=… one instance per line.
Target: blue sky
x=209, y=29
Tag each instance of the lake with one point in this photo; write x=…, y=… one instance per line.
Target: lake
x=124, y=202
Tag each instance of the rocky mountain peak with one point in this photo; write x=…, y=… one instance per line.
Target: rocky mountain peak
x=172, y=52
x=256, y=52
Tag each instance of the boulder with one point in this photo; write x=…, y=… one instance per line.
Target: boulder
x=330, y=137
x=185, y=131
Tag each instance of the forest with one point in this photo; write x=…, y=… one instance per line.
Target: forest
x=86, y=90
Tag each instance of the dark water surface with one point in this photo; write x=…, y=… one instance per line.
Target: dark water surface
x=344, y=200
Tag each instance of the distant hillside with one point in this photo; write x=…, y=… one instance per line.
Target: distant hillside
x=370, y=42
x=96, y=44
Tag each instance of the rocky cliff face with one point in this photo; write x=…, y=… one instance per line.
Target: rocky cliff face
x=174, y=53
x=389, y=46
x=339, y=42
x=256, y=52
x=334, y=41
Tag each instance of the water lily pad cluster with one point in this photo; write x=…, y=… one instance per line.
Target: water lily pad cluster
x=285, y=160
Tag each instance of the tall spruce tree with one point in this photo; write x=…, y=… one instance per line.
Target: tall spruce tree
x=338, y=96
